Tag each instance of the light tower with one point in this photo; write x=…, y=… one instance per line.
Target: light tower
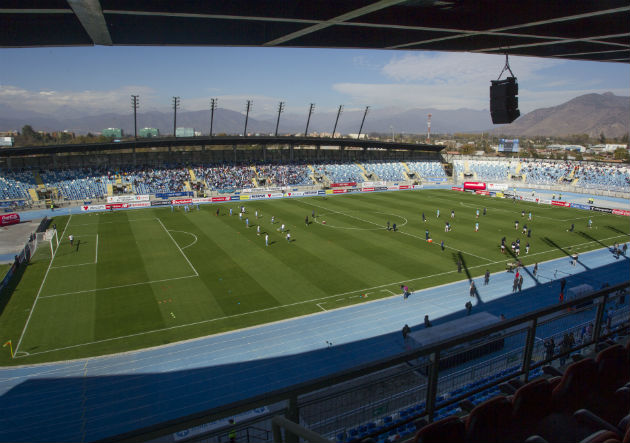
x=429, y=128
x=134, y=105
x=213, y=107
x=175, y=106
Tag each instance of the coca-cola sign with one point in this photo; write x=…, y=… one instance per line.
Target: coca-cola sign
x=9, y=219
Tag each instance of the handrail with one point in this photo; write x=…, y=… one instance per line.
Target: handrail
x=284, y=394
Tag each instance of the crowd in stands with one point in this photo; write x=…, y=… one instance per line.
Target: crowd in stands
x=88, y=183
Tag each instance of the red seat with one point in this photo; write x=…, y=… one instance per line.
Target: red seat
x=532, y=402
x=449, y=429
x=490, y=421
x=577, y=385
x=613, y=368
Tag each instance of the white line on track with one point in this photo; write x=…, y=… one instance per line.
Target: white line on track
x=180, y=249
x=30, y=314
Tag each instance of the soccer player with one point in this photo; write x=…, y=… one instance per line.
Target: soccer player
x=527, y=248
x=230, y=211
x=515, y=224
x=217, y=214
x=240, y=216
x=572, y=227
x=523, y=213
x=282, y=228
x=513, y=246
x=288, y=237
x=266, y=239
x=529, y=216
x=247, y=222
x=424, y=219
x=524, y=229
x=484, y=211
x=438, y=213
x=477, y=227
x=256, y=214
x=518, y=250
x=426, y=234
x=273, y=219
x=388, y=225
x=306, y=221
x=445, y=226
x=258, y=230
x=452, y=213
x=394, y=227
x=442, y=245
x=590, y=223
x=71, y=238
x=477, y=213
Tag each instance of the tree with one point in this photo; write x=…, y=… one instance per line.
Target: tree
x=578, y=156
x=602, y=138
x=620, y=154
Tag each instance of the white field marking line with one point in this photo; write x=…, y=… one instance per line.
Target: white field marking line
x=402, y=232
x=72, y=266
x=275, y=307
x=118, y=287
x=180, y=249
x=189, y=233
x=96, y=252
x=30, y=314
x=112, y=222
x=494, y=208
x=319, y=305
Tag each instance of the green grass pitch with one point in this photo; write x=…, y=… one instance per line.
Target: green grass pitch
x=135, y=279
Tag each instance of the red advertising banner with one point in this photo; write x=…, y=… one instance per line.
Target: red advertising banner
x=117, y=206
x=367, y=189
x=621, y=212
x=220, y=199
x=403, y=187
x=340, y=185
x=183, y=201
x=482, y=192
x=9, y=219
x=339, y=191
x=457, y=188
x=559, y=203
x=474, y=185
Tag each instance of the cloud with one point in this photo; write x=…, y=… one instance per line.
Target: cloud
x=87, y=102
x=462, y=80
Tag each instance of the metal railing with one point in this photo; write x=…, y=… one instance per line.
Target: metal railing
x=388, y=394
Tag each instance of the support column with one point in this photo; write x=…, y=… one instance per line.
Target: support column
x=291, y=152
x=234, y=150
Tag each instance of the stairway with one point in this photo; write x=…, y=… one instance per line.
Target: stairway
x=110, y=189
x=193, y=177
x=33, y=193
x=38, y=180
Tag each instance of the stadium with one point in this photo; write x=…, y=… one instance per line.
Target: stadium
x=247, y=288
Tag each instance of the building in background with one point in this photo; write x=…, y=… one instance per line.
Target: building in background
x=185, y=132
x=112, y=132
x=148, y=132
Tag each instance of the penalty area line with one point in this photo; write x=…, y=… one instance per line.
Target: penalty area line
x=178, y=247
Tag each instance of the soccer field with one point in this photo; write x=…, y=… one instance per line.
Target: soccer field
x=134, y=279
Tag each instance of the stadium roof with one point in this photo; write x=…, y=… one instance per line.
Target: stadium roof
x=596, y=30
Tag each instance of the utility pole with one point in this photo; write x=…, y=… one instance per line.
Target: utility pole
x=134, y=105
x=308, y=120
x=337, y=120
x=213, y=106
x=280, y=109
x=175, y=106
x=362, y=121
x=392, y=128
x=248, y=107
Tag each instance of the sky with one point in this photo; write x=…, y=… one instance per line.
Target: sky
x=93, y=80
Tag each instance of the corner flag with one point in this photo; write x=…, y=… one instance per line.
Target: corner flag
x=10, y=347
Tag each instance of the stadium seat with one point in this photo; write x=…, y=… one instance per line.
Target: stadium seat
x=490, y=421
x=449, y=429
x=575, y=386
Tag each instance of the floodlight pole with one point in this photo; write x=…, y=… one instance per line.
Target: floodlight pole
x=213, y=106
x=248, y=107
x=308, y=120
x=337, y=120
x=362, y=121
x=134, y=105
x=175, y=106
x=280, y=109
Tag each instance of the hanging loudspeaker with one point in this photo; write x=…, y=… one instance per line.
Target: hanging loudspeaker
x=504, y=101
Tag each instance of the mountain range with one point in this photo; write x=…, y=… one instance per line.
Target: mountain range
x=592, y=114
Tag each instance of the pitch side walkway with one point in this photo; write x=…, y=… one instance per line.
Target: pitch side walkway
x=95, y=398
